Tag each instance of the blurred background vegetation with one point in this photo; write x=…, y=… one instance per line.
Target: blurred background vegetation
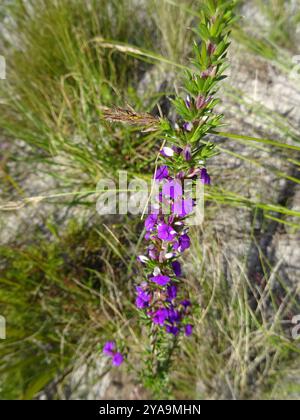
x=67, y=275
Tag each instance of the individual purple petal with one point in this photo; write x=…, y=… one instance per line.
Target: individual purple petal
x=151, y=221
x=172, y=189
x=176, y=268
x=160, y=280
x=188, y=330
x=142, y=259
x=147, y=236
x=117, y=359
x=162, y=172
x=205, y=178
x=167, y=152
x=166, y=232
x=109, y=348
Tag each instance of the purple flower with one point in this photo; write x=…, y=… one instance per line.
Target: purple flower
x=172, y=189
x=109, y=348
x=162, y=172
x=150, y=222
x=143, y=298
x=183, y=243
x=166, y=232
x=185, y=303
x=152, y=252
x=117, y=359
x=205, y=178
x=140, y=303
x=174, y=316
x=160, y=280
x=187, y=153
x=188, y=330
x=167, y=152
x=177, y=149
x=188, y=126
x=143, y=259
x=201, y=102
x=172, y=292
x=176, y=268
x=160, y=316
x=172, y=329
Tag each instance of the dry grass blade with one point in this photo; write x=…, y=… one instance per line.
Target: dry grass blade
x=131, y=117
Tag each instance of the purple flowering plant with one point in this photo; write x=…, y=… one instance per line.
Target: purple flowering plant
x=162, y=297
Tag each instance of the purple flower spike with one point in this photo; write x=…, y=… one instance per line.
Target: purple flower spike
x=205, y=178
x=161, y=280
x=162, y=172
x=117, y=359
x=188, y=330
x=166, y=232
x=177, y=268
x=109, y=348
